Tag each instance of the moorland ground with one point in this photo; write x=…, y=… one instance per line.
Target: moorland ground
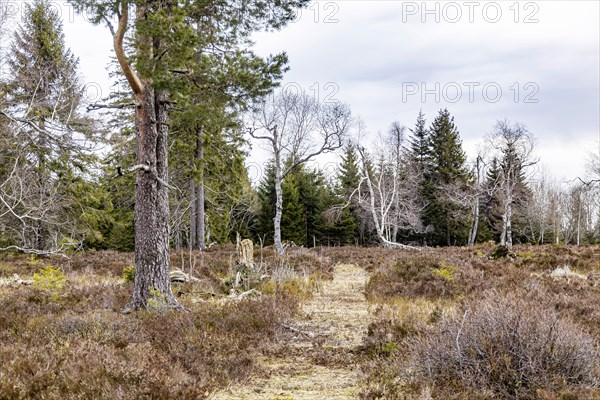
x=335, y=323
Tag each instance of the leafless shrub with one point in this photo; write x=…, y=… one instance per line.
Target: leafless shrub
x=505, y=348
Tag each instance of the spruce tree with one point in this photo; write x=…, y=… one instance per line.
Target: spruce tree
x=349, y=172
x=351, y=227
x=316, y=197
x=419, y=143
x=446, y=149
x=262, y=226
x=420, y=158
x=293, y=219
x=447, y=168
x=42, y=99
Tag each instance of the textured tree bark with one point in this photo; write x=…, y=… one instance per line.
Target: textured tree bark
x=200, y=211
x=151, y=216
x=39, y=231
x=152, y=205
x=192, y=243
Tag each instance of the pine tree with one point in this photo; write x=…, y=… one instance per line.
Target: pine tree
x=222, y=86
x=165, y=57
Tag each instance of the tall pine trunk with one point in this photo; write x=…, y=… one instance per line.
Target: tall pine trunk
x=42, y=176
x=193, y=212
x=151, y=216
x=152, y=203
x=200, y=212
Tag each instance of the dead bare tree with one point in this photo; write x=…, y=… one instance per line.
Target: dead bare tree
x=479, y=172
x=538, y=215
x=593, y=167
x=31, y=223
x=515, y=145
x=391, y=188
x=298, y=129
x=395, y=142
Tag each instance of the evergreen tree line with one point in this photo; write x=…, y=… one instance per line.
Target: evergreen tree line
x=60, y=190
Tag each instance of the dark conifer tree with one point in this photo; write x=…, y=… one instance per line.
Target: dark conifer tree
x=42, y=99
x=419, y=144
x=351, y=227
x=447, y=168
x=293, y=219
x=420, y=158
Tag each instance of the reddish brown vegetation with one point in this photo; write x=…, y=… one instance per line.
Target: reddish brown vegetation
x=540, y=342
x=74, y=343
x=540, y=335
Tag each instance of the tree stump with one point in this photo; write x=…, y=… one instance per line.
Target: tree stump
x=245, y=250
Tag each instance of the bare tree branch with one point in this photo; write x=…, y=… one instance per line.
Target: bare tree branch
x=97, y=106
x=298, y=130
x=134, y=81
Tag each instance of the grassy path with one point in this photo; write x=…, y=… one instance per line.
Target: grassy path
x=318, y=362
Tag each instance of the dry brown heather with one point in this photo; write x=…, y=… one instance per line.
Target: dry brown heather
x=455, y=324
x=430, y=324
x=73, y=343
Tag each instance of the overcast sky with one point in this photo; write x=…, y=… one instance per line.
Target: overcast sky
x=533, y=62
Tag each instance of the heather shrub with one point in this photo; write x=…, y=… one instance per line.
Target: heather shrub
x=505, y=348
x=48, y=351
x=386, y=348
x=419, y=276
x=61, y=341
